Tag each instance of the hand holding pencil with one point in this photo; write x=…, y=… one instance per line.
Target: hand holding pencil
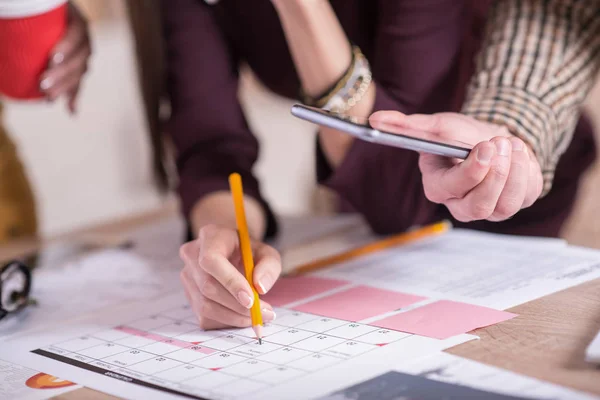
x=215, y=280
x=224, y=271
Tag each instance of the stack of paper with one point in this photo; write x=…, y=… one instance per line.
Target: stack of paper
x=336, y=329
x=489, y=270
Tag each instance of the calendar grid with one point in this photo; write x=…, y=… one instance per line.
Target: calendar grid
x=109, y=373
x=168, y=350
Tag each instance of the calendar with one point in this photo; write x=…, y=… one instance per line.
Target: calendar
x=155, y=349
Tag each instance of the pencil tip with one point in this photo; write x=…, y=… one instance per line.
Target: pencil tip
x=260, y=341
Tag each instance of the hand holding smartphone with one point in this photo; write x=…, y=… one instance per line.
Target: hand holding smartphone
x=502, y=177
x=410, y=139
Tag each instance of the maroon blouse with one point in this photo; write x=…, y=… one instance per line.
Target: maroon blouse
x=421, y=53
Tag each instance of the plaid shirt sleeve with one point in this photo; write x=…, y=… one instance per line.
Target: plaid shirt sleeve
x=538, y=62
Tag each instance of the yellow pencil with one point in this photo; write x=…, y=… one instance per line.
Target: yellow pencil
x=235, y=183
x=403, y=238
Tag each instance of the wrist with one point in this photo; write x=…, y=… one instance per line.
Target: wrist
x=217, y=208
x=335, y=145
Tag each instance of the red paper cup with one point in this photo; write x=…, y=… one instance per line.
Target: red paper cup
x=25, y=46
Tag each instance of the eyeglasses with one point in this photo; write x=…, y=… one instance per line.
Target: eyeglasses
x=15, y=285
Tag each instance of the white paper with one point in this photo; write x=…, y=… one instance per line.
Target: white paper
x=460, y=371
x=18, y=382
x=128, y=343
x=489, y=270
x=105, y=279
x=68, y=284
x=308, y=238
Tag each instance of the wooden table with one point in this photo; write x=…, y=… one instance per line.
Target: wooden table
x=546, y=341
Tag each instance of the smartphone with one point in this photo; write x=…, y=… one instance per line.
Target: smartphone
x=410, y=139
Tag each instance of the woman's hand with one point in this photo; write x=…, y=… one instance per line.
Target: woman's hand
x=68, y=61
x=215, y=283
x=500, y=177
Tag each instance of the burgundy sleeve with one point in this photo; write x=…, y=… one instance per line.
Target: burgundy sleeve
x=416, y=44
x=207, y=124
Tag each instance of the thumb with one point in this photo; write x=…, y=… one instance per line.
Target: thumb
x=431, y=123
x=380, y=118
x=434, y=123
x=430, y=164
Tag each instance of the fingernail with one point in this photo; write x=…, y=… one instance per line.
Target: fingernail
x=45, y=84
x=58, y=58
x=503, y=147
x=265, y=283
x=485, y=154
x=268, y=315
x=245, y=299
x=517, y=144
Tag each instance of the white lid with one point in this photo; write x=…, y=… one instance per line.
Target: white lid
x=27, y=8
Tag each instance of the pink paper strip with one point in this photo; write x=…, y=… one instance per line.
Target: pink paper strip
x=202, y=349
x=155, y=337
x=358, y=303
x=444, y=319
x=289, y=290
x=163, y=339
x=137, y=332
x=131, y=331
x=175, y=342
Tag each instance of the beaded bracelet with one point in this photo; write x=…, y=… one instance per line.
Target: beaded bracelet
x=355, y=87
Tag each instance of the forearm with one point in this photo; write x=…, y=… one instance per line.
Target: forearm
x=537, y=93
x=207, y=125
x=217, y=208
x=318, y=44
x=322, y=54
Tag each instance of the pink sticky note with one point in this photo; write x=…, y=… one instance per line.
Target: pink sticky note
x=289, y=290
x=443, y=319
x=358, y=303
